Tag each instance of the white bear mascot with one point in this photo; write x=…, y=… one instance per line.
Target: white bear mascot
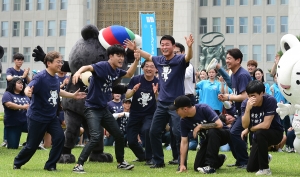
x=288, y=78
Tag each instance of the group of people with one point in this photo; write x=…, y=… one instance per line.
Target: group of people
x=155, y=102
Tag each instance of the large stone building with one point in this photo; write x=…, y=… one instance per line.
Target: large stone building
x=254, y=26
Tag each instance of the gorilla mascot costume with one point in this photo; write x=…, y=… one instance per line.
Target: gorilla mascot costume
x=90, y=49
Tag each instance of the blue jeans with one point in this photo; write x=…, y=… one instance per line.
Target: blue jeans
x=225, y=148
x=139, y=125
x=290, y=137
x=36, y=132
x=95, y=119
x=14, y=134
x=109, y=141
x=193, y=143
x=158, y=125
x=237, y=145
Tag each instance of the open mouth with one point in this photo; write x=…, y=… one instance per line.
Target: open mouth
x=288, y=94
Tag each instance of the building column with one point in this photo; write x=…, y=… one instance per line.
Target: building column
x=294, y=16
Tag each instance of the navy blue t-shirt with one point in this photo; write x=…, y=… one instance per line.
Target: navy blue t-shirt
x=258, y=113
x=115, y=107
x=204, y=114
x=11, y=71
x=61, y=80
x=239, y=82
x=143, y=100
x=45, y=97
x=101, y=84
x=14, y=117
x=171, y=76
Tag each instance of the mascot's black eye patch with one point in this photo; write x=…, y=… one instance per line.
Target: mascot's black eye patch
x=286, y=46
x=298, y=82
x=278, y=66
x=298, y=73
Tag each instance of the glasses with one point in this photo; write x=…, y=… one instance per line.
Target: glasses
x=176, y=52
x=151, y=67
x=60, y=62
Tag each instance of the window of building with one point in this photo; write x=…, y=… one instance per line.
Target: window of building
x=51, y=28
x=216, y=2
x=271, y=2
x=27, y=28
x=4, y=58
x=229, y=25
x=39, y=28
x=49, y=49
x=5, y=5
x=284, y=2
x=244, y=50
x=17, y=5
x=3, y=82
x=230, y=2
x=14, y=50
x=88, y=22
x=52, y=4
x=28, y=5
x=256, y=24
x=243, y=24
x=243, y=2
x=40, y=5
x=284, y=24
x=27, y=54
x=269, y=78
x=88, y=4
x=62, y=52
x=203, y=25
x=203, y=2
x=16, y=28
x=64, y=4
x=4, y=29
x=256, y=53
x=256, y=2
x=227, y=47
x=217, y=24
x=63, y=28
x=270, y=24
x=270, y=52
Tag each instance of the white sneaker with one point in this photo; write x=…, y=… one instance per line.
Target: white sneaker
x=269, y=158
x=280, y=150
x=212, y=65
x=264, y=172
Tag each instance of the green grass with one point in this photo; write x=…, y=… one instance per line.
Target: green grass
x=283, y=164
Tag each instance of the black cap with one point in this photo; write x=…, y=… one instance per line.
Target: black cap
x=181, y=101
x=126, y=100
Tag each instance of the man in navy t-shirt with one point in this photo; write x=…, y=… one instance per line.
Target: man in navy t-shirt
x=42, y=113
x=104, y=73
x=143, y=90
x=202, y=120
x=239, y=81
x=260, y=117
x=171, y=70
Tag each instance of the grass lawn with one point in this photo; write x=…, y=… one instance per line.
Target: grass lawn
x=283, y=164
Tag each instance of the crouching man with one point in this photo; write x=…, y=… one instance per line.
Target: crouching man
x=202, y=120
x=260, y=117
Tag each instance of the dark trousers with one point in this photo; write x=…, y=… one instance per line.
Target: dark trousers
x=173, y=145
x=290, y=137
x=237, y=145
x=96, y=119
x=208, y=153
x=135, y=125
x=36, y=132
x=14, y=135
x=262, y=139
x=158, y=125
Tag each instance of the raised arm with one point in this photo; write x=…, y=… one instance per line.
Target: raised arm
x=132, y=46
x=189, y=42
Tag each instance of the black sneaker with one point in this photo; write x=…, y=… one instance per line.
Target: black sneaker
x=16, y=167
x=173, y=162
x=158, y=165
x=50, y=169
x=206, y=170
x=78, y=169
x=242, y=167
x=149, y=162
x=125, y=166
x=139, y=160
x=232, y=165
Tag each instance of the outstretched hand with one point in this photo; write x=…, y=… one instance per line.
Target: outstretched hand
x=38, y=54
x=130, y=44
x=136, y=87
x=29, y=91
x=79, y=95
x=182, y=168
x=75, y=78
x=155, y=88
x=189, y=40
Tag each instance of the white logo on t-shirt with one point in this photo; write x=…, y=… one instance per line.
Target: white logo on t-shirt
x=53, y=98
x=145, y=98
x=166, y=70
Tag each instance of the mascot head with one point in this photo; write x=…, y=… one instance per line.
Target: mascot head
x=288, y=73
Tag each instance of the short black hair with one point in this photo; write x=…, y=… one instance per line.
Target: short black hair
x=260, y=70
x=168, y=37
x=255, y=86
x=50, y=56
x=180, y=46
x=11, y=86
x=144, y=63
x=18, y=56
x=236, y=54
x=116, y=49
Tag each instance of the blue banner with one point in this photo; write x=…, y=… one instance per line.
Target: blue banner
x=148, y=28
